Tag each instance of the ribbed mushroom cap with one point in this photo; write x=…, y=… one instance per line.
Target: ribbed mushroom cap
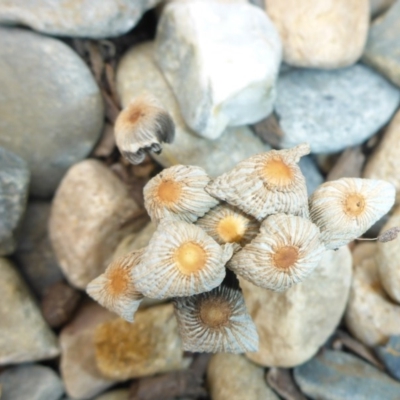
x=346, y=208
x=285, y=252
x=177, y=193
x=264, y=184
x=227, y=224
x=216, y=321
x=115, y=290
x=181, y=260
x=142, y=126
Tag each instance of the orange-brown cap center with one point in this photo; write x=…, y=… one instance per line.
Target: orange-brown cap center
x=190, y=258
x=285, y=257
x=231, y=229
x=118, y=280
x=354, y=204
x=214, y=313
x=169, y=191
x=135, y=114
x=277, y=173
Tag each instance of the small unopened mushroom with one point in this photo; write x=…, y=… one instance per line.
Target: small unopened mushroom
x=180, y=260
x=264, y=184
x=346, y=208
x=216, y=321
x=227, y=224
x=142, y=126
x=115, y=290
x=285, y=252
x=178, y=193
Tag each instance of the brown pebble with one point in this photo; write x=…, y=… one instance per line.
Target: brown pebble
x=168, y=386
x=59, y=304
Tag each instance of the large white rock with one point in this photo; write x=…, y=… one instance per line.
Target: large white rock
x=78, y=18
x=221, y=61
x=292, y=325
x=370, y=316
x=138, y=73
x=321, y=33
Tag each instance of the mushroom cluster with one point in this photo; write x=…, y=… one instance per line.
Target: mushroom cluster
x=255, y=221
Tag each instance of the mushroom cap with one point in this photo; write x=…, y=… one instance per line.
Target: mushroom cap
x=216, y=321
x=143, y=125
x=264, y=184
x=285, y=252
x=177, y=193
x=180, y=260
x=346, y=208
x=115, y=290
x=227, y=224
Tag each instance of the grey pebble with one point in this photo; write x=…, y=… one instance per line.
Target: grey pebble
x=14, y=184
x=34, y=255
x=30, y=382
x=382, y=50
x=389, y=354
x=334, y=109
x=334, y=375
x=51, y=110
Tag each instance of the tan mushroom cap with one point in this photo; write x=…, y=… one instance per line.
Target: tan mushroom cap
x=216, y=321
x=264, y=184
x=181, y=260
x=142, y=126
x=227, y=224
x=285, y=252
x=115, y=290
x=178, y=193
x=346, y=208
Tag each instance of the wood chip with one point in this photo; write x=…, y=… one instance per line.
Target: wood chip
x=349, y=164
x=357, y=348
x=112, y=109
x=281, y=381
x=96, y=60
x=269, y=130
x=106, y=146
x=112, y=84
x=168, y=386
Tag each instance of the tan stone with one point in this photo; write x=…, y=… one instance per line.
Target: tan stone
x=370, y=316
x=388, y=261
x=292, y=325
x=91, y=212
x=321, y=33
x=24, y=335
x=81, y=377
x=233, y=377
x=118, y=394
x=149, y=346
x=385, y=161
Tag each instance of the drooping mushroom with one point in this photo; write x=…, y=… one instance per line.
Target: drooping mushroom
x=180, y=260
x=346, y=208
x=115, y=290
x=264, y=184
x=216, y=321
x=227, y=224
x=285, y=252
x=142, y=126
x=178, y=193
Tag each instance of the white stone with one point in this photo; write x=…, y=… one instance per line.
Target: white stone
x=292, y=325
x=321, y=33
x=233, y=377
x=137, y=73
x=221, y=61
x=370, y=316
x=388, y=261
x=79, y=18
